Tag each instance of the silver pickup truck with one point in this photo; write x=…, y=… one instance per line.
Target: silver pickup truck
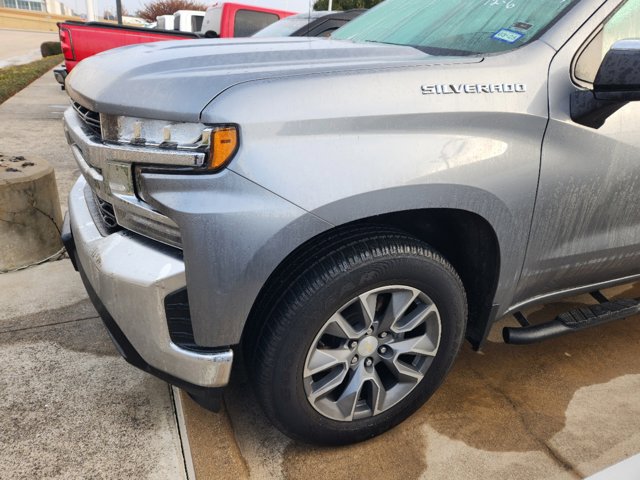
x=346, y=211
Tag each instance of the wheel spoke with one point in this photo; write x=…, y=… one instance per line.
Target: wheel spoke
x=403, y=371
x=410, y=321
x=378, y=395
x=349, y=398
x=339, y=327
x=324, y=359
x=400, y=301
x=421, y=345
x=327, y=384
x=368, y=305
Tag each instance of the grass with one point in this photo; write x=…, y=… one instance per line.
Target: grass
x=15, y=78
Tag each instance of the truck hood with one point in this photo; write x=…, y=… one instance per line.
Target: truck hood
x=175, y=80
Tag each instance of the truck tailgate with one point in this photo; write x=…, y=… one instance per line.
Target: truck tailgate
x=81, y=40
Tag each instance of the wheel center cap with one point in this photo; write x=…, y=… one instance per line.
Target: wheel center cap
x=367, y=346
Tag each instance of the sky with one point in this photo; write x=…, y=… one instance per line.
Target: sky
x=132, y=6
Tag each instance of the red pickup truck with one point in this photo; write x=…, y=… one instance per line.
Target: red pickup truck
x=80, y=40
x=228, y=19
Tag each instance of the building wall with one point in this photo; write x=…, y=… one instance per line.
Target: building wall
x=56, y=7
x=18, y=19
x=31, y=5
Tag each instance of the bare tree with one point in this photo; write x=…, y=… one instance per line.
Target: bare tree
x=154, y=9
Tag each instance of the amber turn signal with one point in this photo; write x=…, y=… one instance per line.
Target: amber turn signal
x=224, y=143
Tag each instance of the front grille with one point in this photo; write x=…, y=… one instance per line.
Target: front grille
x=176, y=307
x=90, y=118
x=101, y=212
x=106, y=212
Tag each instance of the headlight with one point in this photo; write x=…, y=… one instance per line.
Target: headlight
x=218, y=142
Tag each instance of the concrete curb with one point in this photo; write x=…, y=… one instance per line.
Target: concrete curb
x=184, y=437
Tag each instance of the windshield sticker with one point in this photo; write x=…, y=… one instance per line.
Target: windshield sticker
x=508, y=36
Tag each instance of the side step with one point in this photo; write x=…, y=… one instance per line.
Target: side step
x=571, y=321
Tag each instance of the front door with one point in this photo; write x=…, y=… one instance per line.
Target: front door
x=586, y=225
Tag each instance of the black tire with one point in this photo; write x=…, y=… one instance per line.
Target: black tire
x=345, y=266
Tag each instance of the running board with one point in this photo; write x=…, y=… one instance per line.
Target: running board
x=571, y=321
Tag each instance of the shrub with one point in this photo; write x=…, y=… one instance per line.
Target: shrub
x=15, y=78
x=49, y=49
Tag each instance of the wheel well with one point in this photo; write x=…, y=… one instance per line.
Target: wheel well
x=465, y=239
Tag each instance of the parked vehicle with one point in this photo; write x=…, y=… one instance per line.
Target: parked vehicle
x=188, y=20
x=80, y=40
x=347, y=210
x=311, y=24
x=226, y=19
x=165, y=22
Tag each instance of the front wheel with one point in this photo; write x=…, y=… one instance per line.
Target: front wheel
x=362, y=338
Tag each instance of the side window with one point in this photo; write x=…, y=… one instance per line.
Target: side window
x=623, y=24
x=196, y=23
x=248, y=22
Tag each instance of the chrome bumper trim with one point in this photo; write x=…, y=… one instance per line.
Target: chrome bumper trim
x=132, y=279
x=108, y=170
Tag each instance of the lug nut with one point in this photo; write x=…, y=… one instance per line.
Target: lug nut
x=368, y=362
x=383, y=334
x=370, y=331
x=353, y=345
x=382, y=350
x=354, y=360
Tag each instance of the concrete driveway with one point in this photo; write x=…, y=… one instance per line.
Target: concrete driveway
x=70, y=407
x=31, y=125
x=18, y=46
x=563, y=409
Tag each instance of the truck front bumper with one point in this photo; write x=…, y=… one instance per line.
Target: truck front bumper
x=127, y=278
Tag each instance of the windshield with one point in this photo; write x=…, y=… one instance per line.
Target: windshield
x=288, y=25
x=456, y=27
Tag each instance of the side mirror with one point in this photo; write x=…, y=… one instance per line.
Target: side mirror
x=617, y=83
